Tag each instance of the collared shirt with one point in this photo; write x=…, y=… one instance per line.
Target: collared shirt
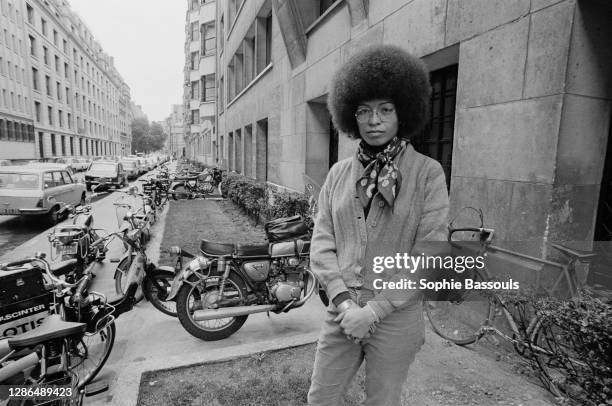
x=344, y=243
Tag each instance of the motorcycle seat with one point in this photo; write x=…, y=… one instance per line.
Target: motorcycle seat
x=216, y=249
x=51, y=328
x=252, y=250
x=63, y=267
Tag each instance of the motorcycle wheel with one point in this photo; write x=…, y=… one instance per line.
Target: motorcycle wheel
x=88, y=356
x=197, y=291
x=120, y=275
x=180, y=192
x=163, y=278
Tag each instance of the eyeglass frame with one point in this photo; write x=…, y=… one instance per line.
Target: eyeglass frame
x=382, y=117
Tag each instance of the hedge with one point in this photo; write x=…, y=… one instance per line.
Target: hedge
x=261, y=201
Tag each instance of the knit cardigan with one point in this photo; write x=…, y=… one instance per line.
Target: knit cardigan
x=344, y=242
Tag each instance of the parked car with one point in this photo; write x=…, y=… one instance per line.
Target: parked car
x=31, y=190
x=53, y=165
x=105, y=174
x=131, y=167
x=141, y=167
x=79, y=164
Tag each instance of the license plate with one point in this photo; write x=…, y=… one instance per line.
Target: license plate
x=69, y=249
x=9, y=211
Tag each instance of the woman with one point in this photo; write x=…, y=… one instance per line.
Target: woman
x=377, y=203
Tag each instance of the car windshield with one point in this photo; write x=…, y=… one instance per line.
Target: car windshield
x=130, y=164
x=102, y=167
x=18, y=180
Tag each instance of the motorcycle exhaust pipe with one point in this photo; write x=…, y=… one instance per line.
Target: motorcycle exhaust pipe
x=212, y=314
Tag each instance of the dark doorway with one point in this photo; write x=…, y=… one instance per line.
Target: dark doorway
x=436, y=141
x=600, y=273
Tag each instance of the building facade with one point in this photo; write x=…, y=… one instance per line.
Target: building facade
x=62, y=82
x=521, y=107
x=175, y=129
x=199, y=95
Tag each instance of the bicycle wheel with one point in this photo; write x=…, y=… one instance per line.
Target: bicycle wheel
x=555, y=358
x=460, y=321
x=90, y=353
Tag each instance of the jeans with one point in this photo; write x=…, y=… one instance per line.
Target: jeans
x=388, y=354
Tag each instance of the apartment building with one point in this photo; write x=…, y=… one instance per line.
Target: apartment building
x=175, y=128
x=17, y=140
x=199, y=95
x=522, y=100
x=69, y=86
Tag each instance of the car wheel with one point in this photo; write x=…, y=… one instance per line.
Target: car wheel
x=54, y=216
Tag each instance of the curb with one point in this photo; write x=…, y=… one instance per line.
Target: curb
x=127, y=394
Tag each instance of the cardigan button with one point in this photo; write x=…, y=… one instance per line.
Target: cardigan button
x=381, y=204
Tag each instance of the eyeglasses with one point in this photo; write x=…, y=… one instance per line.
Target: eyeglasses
x=364, y=114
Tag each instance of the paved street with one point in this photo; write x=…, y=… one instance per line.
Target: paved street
x=148, y=339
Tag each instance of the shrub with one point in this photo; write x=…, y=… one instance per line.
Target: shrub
x=261, y=201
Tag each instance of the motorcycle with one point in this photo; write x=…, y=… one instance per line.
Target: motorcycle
x=217, y=289
x=190, y=185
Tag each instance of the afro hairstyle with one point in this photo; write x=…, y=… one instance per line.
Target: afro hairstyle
x=381, y=72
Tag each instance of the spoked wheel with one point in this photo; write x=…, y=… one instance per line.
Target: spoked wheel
x=555, y=358
x=120, y=279
x=180, y=192
x=151, y=292
x=197, y=295
x=90, y=353
x=460, y=321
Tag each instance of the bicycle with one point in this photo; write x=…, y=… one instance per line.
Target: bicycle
x=470, y=315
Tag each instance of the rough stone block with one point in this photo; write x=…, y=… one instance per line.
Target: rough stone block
x=591, y=51
x=417, y=27
x=319, y=75
x=299, y=119
x=467, y=18
x=573, y=212
x=512, y=141
x=293, y=148
x=492, y=65
x=373, y=36
x=329, y=35
x=540, y=4
x=549, y=39
x=297, y=89
x=382, y=9
x=583, y=135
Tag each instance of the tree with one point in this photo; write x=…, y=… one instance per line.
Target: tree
x=147, y=138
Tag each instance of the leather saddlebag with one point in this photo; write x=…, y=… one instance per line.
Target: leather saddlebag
x=286, y=228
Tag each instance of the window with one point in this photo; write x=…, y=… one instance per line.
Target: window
x=30, y=12
x=32, y=45
x=195, y=34
x=37, y=111
x=57, y=64
x=43, y=26
x=195, y=116
x=208, y=94
x=55, y=38
x=35, y=79
x=53, y=149
x=194, y=4
x=50, y=115
x=66, y=71
x=268, y=39
x=68, y=98
x=46, y=55
x=221, y=32
x=195, y=90
x=58, y=89
x=195, y=58
x=209, y=40
x=65, y=46
x=48, y=85
x=69, y=120
x=48, y=181
x=324, y=5
x=436, y=140
x=60, y=118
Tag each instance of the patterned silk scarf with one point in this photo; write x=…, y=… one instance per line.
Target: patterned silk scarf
x=381, y=173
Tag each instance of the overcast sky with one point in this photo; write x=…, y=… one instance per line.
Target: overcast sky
x=146, y=38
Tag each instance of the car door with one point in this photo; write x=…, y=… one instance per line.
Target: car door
x=61, y=192
x=73, y=191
